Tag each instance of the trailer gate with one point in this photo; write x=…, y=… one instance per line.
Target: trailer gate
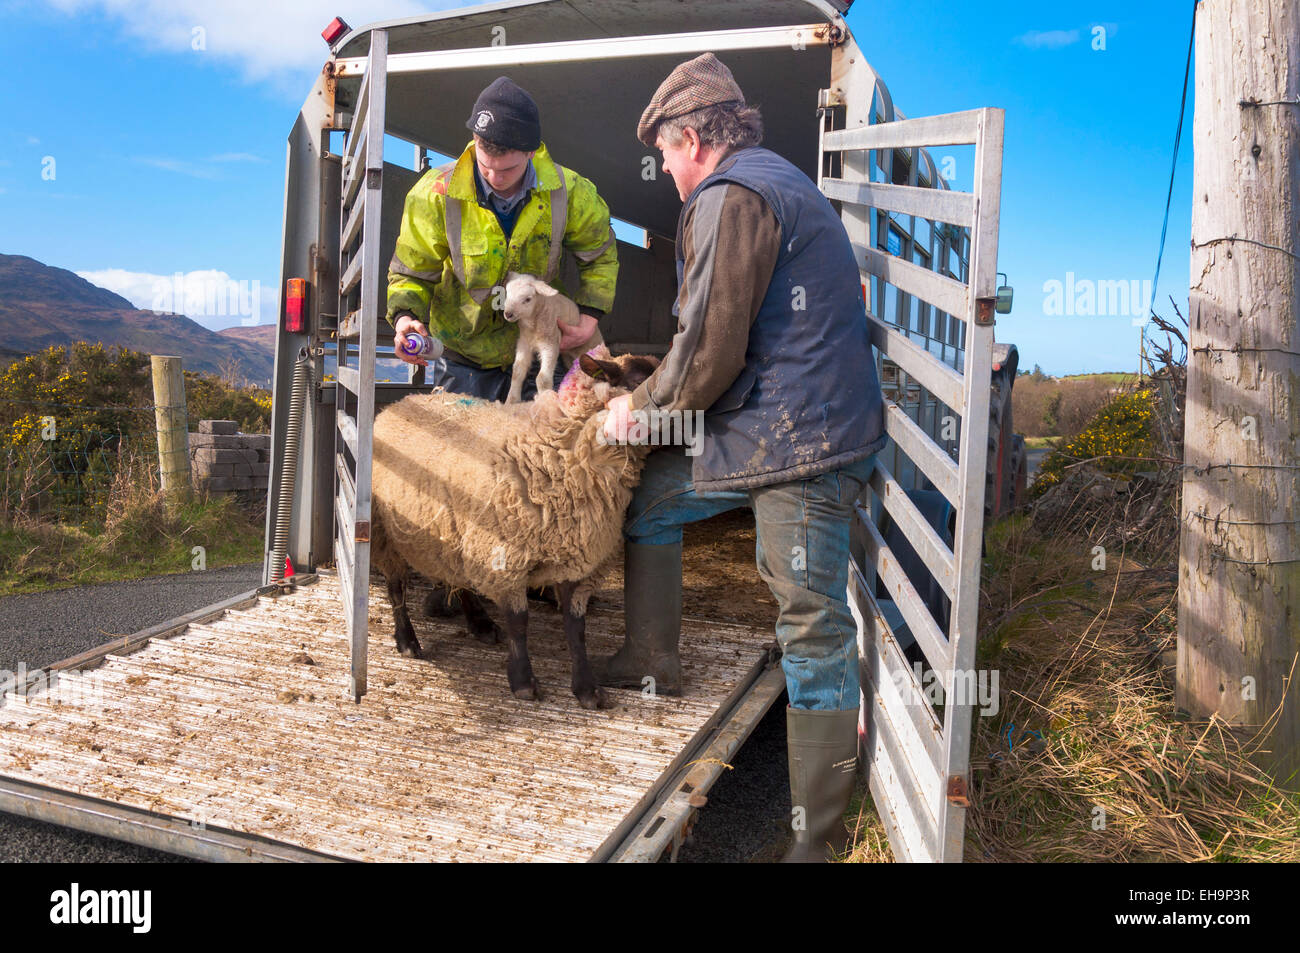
x=917, y=759
x=359, y=289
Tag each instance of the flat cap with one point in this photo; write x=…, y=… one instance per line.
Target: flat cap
x=703, y=81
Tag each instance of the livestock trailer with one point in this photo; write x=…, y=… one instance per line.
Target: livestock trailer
x=283, y=725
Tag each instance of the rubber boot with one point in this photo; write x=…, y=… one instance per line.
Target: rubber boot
x=822, y=748
x=652, y=617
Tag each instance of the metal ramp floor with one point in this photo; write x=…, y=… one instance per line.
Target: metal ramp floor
x=234, y=737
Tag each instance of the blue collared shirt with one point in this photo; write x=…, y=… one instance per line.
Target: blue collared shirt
x=506, y=209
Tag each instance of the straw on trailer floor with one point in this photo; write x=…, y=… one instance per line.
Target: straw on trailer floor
x=243, y=723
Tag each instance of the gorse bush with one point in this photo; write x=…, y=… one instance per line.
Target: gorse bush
x=1121, y=431
x=69, y=413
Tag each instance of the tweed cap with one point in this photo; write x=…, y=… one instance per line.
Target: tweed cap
x=703, y=81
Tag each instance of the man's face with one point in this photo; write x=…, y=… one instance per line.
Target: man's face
x=503, y=173
x=682, y=162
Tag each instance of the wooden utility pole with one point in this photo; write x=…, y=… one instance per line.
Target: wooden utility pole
x=1239, y=572
x=172, y=424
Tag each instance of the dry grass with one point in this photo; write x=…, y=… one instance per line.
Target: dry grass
x=1100, y=766
x=137, y=532
x=1087, y=759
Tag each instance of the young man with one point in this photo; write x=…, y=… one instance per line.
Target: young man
x=503, y=206
x=772, y=345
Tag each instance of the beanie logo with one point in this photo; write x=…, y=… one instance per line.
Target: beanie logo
x=485, y=119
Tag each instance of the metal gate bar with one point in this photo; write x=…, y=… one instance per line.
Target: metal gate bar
x=359, y=267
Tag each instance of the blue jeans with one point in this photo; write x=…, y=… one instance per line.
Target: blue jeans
x=802, y=553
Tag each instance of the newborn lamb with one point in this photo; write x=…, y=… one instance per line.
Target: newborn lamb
x=540, y=310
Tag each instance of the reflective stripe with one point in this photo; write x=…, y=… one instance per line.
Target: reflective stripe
x=396, y=266
x=559, y=221
x=596, y=253
x=454, y=212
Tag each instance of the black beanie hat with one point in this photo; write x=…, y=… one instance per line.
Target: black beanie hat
x=507, y=116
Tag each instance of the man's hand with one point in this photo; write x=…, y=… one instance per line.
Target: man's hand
x=408, y=325
x=576, y=335
x=622, y=424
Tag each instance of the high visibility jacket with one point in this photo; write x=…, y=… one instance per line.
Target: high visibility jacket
x=451, y=254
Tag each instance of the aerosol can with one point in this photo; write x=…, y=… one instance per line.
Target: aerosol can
x=422, y=346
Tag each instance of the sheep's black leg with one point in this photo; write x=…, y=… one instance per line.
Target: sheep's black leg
x=519, y=669
x=583, y=682
x=403, y=632
x=480, y=623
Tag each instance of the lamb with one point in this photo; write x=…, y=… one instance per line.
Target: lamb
x=540, y=310
x=489, y=498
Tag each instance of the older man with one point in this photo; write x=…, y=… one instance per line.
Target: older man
x=772, y=345
x=504, y=205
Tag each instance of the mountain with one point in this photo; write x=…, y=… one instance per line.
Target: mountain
x=261, y=336
x=42, y=306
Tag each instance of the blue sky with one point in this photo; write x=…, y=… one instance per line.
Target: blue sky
x=163, y=125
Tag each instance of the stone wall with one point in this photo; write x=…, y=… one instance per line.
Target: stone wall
x=223, y=460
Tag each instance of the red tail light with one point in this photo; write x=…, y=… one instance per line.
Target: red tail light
x=295, y=306
x=335, y=31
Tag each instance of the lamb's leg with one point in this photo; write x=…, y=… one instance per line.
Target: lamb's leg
x=583, y=681
x=523, y=361
x=480, y=623
x=546, y=376
x=519, y=668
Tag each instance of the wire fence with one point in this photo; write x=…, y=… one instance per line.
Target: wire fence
x=60, y=460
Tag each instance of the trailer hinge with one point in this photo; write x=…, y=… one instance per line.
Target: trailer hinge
x=829, y=99
x=362, y=534
x=957, y=791
x=833, y=33
x=984, y=311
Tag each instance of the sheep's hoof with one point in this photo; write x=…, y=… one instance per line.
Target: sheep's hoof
x=532, y=692
x=411, y=651
x=599, y=700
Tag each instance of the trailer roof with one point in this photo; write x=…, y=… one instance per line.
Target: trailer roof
x=590, y=109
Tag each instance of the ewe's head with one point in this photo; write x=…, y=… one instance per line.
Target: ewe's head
x=597, y=377
x=523, y=292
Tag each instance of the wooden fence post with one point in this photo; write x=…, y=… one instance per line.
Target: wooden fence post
x=172, y=424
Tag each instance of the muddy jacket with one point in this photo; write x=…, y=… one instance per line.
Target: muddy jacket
x=772, y=334
x=451, y=253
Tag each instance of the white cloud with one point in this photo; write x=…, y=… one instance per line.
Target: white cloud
x=236, y=157
x=265, y=40
x=179, y=166
x=212, y=298
x=1048, y=39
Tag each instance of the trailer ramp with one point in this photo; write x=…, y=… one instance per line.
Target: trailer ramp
x=231, y=739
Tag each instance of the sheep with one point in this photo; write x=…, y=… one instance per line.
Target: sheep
x=540, y=310
x=489, y=498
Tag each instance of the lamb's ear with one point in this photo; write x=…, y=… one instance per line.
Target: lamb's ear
x=544, y=289
x=601, y=370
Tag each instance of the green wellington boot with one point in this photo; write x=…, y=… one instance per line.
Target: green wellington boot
x=652, y=616
x=823, y=752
